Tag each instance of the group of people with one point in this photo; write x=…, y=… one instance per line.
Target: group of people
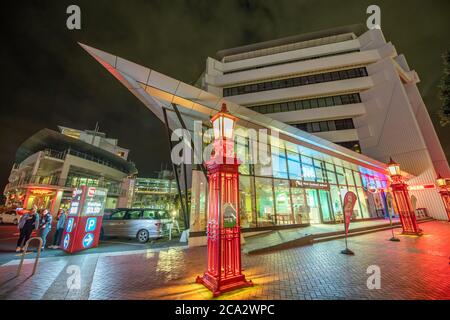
x=41, y=221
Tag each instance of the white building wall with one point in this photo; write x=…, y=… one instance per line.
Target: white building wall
x=392, y=119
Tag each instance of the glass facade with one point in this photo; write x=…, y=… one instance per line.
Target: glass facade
x=299, y=185
x=329, y=125
x=296, y=81
x=305, y=104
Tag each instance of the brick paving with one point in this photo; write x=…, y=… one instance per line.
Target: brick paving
x=415, y=268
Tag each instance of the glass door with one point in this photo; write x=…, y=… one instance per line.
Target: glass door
x=313, y=207
x=324, y=197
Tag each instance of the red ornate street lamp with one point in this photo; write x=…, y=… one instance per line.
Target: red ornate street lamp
x=402, y=200
x=224, y=271
x=444, y=192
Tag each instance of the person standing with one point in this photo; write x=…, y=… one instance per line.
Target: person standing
x=46, y=226
x=61, y=218
x=27, y=223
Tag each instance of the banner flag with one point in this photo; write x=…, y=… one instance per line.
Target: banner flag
x=349, y=203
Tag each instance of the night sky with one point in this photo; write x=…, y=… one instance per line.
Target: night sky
x=48, y=80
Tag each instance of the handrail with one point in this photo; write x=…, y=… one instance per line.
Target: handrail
x=25, y=252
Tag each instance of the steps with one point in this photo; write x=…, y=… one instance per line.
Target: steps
x=290, y=238
x=357, y=232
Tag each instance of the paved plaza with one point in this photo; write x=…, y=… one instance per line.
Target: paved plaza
x=415, y=268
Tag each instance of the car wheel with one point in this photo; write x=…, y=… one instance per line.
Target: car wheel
x=142, y=236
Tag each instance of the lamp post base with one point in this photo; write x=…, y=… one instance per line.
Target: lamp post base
x=412, y=233
x=394, y=239
x=219, y=286
x=348, y=252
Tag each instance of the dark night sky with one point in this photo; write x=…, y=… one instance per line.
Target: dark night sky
x=48, y=80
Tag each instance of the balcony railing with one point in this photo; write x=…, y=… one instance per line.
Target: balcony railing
x=56, y=181
x=62, y=155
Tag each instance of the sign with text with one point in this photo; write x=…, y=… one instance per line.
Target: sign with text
x=349, y=203
x=82, y=229
x=309, y=184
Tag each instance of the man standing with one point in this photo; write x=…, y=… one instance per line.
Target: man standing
x=61, y=218
x=46, y=226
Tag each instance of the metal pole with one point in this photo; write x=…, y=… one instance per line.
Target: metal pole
x=36, y=261
x=393, y=238
x=183, y=207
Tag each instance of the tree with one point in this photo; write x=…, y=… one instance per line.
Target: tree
x=444, y=94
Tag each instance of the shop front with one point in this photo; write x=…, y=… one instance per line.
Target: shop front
x=43, y=198
x=297, y=187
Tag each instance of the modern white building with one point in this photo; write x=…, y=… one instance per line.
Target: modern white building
x=346, y=85
x=343, y=86
x=50, y=164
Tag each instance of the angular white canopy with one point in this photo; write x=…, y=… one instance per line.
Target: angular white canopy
x=158, y=91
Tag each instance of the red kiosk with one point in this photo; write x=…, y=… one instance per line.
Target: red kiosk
x=224, y=271
x=445, y=193
x=402, y=200
x=84, y=220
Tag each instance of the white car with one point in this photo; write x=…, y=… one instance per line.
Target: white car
x=9, y=216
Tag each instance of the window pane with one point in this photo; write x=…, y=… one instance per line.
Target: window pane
x=306, y=104
x=308, y=172
x=321, y=102
x=283, y=202
x=294, y=166
x=279, y=163
x=340, y=175
x=349, y=176
x=264, y=202
x=132, y=215
x=337, y=100
x=363, y=202
x=315, y=127
x=299, y=205
x=118, y=215
x=246, y=195
x=329, y=101
x=336, y=203
x=149, y=214
x=263, y=167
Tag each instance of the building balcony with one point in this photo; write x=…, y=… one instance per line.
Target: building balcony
x=54, y=181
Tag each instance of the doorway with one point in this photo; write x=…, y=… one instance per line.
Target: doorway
x=313, y=206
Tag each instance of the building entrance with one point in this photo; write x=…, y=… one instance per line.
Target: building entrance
x=312, y=202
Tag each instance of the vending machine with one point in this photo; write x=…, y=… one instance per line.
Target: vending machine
x=84, y=219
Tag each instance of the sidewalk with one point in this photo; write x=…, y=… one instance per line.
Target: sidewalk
x=415, y=268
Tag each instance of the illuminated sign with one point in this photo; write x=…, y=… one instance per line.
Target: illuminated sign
x=422, y=187
x=91, y=224
x=73, y=208
x=66, y=241
x=93, y=208
x=372, y=187
x=69, y=226
x=309, y=184
x=41, y=191
x=88, y=240
x=91, y=191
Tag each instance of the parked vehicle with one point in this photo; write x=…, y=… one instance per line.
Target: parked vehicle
x=142, y=224
x=10, y=216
